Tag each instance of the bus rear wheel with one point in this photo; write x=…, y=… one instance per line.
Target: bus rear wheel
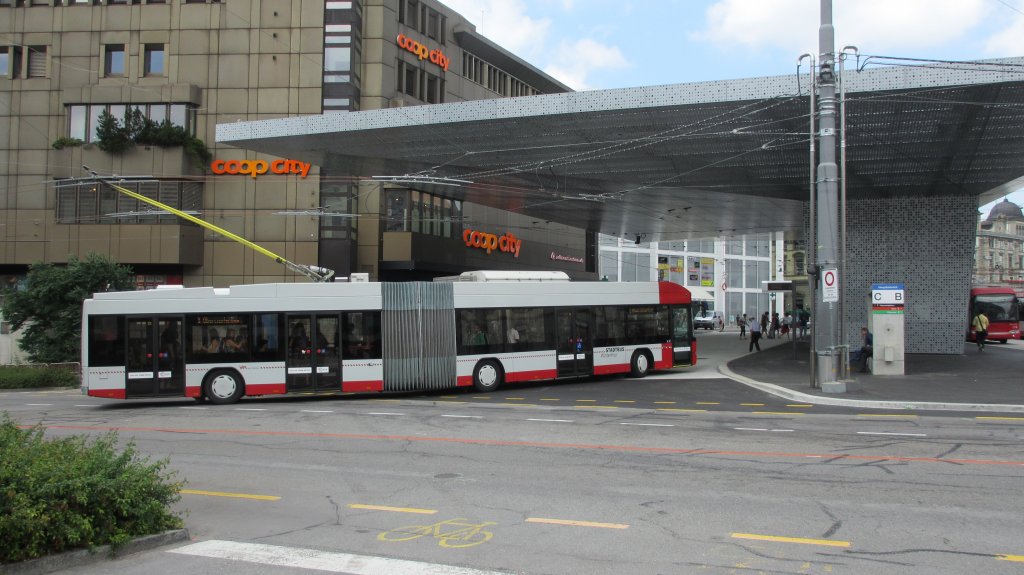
x=223, y=386
x=487, y=375
x=640, y=365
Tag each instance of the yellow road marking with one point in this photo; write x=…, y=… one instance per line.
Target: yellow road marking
x=664, y=402
x=550, y=399
x=778, y=413
x=236, y=495
x=395, y=509
x=515, y=398
x=481, y=397
x=885, y=415
x=799, y=405
x=753, y=404
x=576, y=523
x=707, y=403
x=801, y=540
x=676, y=409
x=999, y=418
x=624, y=401
x=1014, y=558
x=585, y=400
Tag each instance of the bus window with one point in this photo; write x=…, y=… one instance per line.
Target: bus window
x=524, y=329
x=216, y=337
x=106, y=341
x=361, y=338
x=267, y=331
x=480, y=331
x=681, y=324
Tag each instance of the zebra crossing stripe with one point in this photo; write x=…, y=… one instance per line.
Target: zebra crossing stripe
x=321, y=560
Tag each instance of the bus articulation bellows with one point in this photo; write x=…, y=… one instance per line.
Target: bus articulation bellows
x=222, y=344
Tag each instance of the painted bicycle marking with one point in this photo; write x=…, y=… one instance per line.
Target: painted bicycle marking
x=451, y=533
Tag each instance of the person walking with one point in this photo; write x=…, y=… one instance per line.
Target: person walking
x=774, y=332
x=980, y=326
x=764, y=323
x=742, y=321
x=755, y=334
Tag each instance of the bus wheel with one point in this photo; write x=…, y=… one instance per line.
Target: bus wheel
x=487, y=376
x=640, y=365
x=223, y=386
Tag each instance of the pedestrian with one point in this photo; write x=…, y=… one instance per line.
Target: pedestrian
x=755, y=334
x=787, y=325
x=764, y=323
x=775, y=326
x=742, y=321
x=980, y=326
x=866, y=349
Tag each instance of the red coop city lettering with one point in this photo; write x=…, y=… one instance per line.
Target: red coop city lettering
x=507, y=243
x=258, y=167
x=435, y=56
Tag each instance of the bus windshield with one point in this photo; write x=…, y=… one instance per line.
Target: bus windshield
x=998, y=307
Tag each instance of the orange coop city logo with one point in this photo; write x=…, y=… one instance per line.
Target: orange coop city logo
x=424, y=53
x=507, y=243
x=259, y=167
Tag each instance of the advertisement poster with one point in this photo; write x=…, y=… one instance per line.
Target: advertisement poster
x=707, y=272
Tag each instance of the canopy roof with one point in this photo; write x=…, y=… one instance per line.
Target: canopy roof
x=685, y=160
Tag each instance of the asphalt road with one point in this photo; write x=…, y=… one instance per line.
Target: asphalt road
x=569, y=479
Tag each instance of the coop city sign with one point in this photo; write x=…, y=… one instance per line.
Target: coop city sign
x=258, y=167
x=435, y=56
x=508, y=243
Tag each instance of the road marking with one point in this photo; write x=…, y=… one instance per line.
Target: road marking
x=753, y=404
x=39, y=404
x=777, y=413
x=887, y=433
x=1014, y=558
x=664, y=403
x=550, y=399
x=480, y=396
x=801, y=540
x=395, y=509
x=516, y=398
x=250, y=409
x=781, y=430
x=576, y=523
x=707, y=403
x=885, y=415
x=553, y=420
x=449, y=396
x=648, y=424
x=465, y=416
x=85, y=405
x=750, y=429
x=586, y=400
x=234, y=495
x=383, y=413
x=624, y=401
x=991, y=417
x=320, y=560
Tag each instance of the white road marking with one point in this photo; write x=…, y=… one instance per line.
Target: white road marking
x=762, y=429
x=648, y=424
x=885, y=433
x=320, y=560
x=465, y=416
x=85, y=405
x=552, y=420
x=40, y=404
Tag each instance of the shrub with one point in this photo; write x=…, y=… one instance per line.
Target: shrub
x=72, y=492
x=64, y=142
x=28, y=377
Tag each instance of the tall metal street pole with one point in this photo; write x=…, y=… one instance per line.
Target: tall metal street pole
x=824, y=318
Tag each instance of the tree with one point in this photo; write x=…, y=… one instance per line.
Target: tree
x=49, y=306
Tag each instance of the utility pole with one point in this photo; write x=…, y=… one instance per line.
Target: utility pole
x=824, y=318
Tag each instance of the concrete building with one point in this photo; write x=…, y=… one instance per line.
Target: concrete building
x=999, y=253
x=197, y=63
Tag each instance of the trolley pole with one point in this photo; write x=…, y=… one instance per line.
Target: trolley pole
x=824, y=318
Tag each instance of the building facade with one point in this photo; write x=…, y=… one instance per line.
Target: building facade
x=999, y=253
x=67, y=67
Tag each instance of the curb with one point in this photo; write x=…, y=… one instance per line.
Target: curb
x=82, y=557
x=787, y=393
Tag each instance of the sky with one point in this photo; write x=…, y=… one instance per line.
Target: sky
x=598, y=44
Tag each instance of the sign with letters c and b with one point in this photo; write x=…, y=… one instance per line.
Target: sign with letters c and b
x=887, y=298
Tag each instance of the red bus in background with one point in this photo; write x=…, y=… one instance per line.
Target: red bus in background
x=1001, y=306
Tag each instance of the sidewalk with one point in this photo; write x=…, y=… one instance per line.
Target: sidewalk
x=992, y=380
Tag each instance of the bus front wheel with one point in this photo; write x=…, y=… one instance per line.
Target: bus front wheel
x=223, y=387
x=487, y=376
x=640, y=365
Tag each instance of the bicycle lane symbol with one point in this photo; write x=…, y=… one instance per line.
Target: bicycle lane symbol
x=451, y=533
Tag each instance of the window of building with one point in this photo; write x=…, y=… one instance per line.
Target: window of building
x=5, y=61
x=37, y=61
x=154, y=60
x=79, y=203
x=84, y=119
x=337, y=59
x=113, y=60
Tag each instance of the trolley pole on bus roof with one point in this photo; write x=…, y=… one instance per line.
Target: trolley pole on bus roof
x=315, y=273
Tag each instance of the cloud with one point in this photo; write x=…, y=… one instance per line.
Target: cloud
x=1007, y=41
x=506, y=23
x=875, y=26
x=572, y=62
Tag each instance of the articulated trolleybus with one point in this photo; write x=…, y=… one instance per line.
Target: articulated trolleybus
x=224, y=343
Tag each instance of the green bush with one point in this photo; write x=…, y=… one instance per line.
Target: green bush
x=63, y=142
x=72, y=492
x=27, y=377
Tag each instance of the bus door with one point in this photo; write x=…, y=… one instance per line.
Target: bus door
x=575, y=343
x=682, y=336
x=312, y=362
x=154, y=362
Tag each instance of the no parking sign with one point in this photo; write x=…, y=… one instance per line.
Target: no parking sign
x=830, y=285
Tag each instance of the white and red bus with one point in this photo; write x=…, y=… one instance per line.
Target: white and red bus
x=224, y=343
x=1002, y=308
